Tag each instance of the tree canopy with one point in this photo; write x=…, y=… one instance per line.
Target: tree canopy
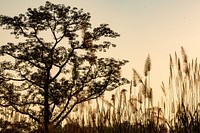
x=55, y=66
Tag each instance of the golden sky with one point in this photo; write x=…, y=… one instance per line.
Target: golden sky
x=155, y=27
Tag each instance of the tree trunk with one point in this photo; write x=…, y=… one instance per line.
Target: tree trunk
x=46, y=103
x=46, y=110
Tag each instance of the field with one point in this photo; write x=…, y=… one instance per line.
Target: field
x=131, y=110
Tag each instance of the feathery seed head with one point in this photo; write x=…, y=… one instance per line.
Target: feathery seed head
x=147, y=66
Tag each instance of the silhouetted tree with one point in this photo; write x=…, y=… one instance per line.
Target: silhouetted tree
x=55, y=64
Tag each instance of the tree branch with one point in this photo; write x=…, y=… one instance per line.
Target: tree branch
x=25, y=113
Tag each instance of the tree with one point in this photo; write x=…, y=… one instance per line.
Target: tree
x=55, y=66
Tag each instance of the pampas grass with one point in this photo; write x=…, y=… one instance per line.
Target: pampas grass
x=131, y=110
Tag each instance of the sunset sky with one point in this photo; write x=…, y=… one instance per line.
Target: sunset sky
x=154, y=27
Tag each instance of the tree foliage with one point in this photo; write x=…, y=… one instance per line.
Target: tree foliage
x=55, y=64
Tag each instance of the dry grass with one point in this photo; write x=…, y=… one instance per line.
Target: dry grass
x=132, y=110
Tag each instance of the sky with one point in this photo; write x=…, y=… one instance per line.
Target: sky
x=154, y=27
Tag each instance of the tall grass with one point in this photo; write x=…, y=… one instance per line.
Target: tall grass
x=128, y=110
x=131, y=110
x=183, y=93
